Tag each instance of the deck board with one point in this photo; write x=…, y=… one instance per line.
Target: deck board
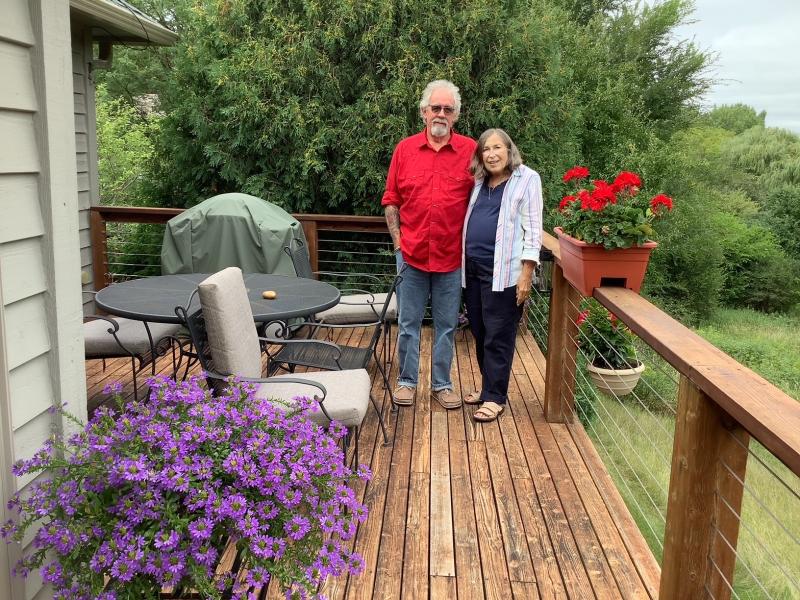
x=519, y=508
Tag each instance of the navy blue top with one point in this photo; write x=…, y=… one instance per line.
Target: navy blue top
x=482, y=225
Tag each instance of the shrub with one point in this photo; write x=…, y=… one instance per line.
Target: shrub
x=758, y=273
x=125, y=149
x=302, y=104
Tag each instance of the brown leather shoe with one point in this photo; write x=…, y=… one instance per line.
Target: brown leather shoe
x=447, y=398
x=404, y=395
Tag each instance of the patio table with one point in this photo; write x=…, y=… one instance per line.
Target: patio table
x=154, y=299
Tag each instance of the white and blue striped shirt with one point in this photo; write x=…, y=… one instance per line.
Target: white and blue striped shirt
x=519, y=227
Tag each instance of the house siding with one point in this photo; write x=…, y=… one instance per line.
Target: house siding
x=41, y=349
x=85, y=152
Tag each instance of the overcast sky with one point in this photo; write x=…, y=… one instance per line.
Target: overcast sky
x=758, y=54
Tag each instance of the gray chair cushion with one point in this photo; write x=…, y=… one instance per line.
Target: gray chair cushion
x=232, y=336
x=346, y=401
x=99, y=343
x=358, y=308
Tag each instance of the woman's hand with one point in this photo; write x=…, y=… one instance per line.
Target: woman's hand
x=524, y=281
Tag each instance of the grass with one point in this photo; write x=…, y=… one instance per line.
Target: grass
x=634, y=437
x=768, y=344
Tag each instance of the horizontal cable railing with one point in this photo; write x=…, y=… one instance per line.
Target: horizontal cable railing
x=720, y=511
x=126, y=244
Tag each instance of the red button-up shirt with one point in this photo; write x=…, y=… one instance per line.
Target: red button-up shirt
x=432, y=191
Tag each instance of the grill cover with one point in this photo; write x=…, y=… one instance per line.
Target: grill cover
x=230, y=230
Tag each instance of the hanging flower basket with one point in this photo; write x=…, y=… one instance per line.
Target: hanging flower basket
x=615, y=382
x=587, y=266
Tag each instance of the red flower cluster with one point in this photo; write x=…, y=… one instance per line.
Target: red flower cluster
x=627, y=181
x=604, y=193
x=661, y=200
x=576, y=173
x=611, y=214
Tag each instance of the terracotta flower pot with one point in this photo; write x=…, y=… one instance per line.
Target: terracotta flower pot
x=615, y=382
x=587, y=266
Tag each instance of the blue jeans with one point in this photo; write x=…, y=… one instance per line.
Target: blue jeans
x=413, y=292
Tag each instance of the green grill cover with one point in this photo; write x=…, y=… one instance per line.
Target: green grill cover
x=230, y=230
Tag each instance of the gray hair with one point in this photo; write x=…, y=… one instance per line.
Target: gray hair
x=425, y=102
x=514, y=157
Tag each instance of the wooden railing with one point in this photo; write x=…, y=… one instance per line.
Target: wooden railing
x=721, y=404
x=312, y=225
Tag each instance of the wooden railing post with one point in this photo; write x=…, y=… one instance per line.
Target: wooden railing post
x=562, y=349
x=99, y=238
x=709, y=458
x=312, y=243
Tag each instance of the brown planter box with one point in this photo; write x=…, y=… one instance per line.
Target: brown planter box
x=587, y=266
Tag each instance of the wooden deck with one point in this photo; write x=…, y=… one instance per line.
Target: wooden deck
x=516, y=509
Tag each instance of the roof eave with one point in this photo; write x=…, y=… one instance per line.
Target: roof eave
x=137, y=29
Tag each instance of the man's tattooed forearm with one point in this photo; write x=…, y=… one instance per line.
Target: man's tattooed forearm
x=393, y=223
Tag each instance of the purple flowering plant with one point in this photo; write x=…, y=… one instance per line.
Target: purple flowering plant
x=147, y=495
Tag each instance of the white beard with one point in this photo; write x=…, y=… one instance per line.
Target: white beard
x=439, y=129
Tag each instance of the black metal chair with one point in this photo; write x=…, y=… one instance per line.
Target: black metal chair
x=356, y=306
x=323, y=354
x=224, y=336
x=116, y=337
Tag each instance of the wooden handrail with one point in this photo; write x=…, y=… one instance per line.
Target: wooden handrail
x=135, y=214
x=771, y=416
x=550, y=242
x=149, y=214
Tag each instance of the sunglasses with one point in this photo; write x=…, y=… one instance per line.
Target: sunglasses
x=437, y=108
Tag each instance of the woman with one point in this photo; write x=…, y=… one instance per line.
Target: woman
x=501, y=240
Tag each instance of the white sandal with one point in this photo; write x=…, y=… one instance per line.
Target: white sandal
x=489, y=411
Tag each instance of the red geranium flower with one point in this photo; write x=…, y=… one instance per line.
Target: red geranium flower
x=603, y=192
x=586, y=199
x=565, y=202
x=661, y=200
x=576, y=173
x=582, y=317
x=627, y=181
x=597, y=203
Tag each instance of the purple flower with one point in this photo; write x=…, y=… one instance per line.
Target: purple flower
x=114, y=387
x=201, y=529
x=297, y=527
x=166, y=539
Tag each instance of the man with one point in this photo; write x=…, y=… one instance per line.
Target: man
x=427, y=190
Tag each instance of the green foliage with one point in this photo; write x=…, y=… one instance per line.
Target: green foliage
x=605, y=340
x=125, y=149
x=758, y=274
x=783, y=216
x=763, y=158
x=718, y=244
x=585, y=398
x=302, y=103
x=670, y=74
x=736, y=118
